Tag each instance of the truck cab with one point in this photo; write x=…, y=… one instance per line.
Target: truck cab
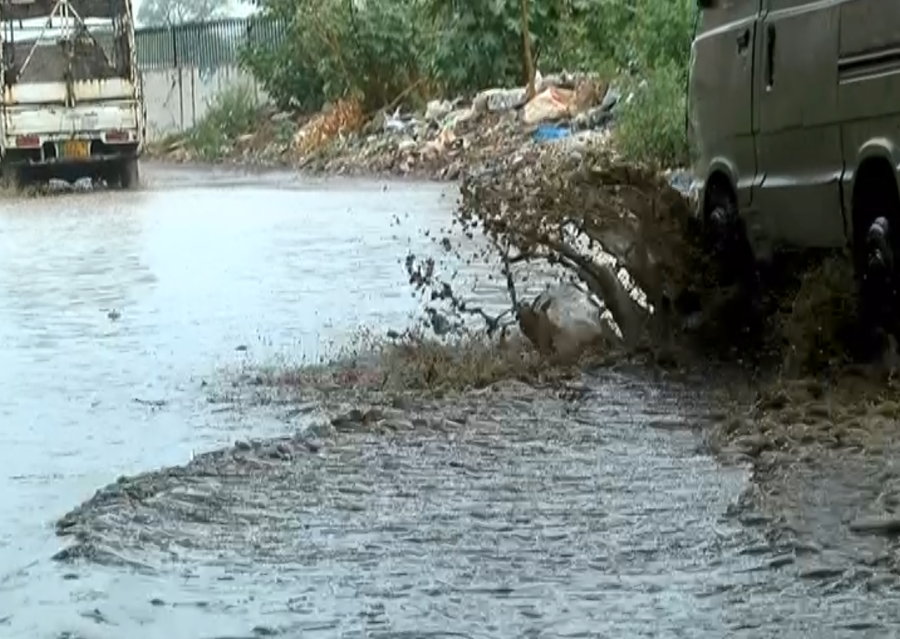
x=72, y=103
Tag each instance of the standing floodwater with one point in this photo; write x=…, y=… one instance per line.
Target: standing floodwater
x=115, y=307
x=534, y=520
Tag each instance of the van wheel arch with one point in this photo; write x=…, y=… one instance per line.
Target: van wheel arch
x=875, y=193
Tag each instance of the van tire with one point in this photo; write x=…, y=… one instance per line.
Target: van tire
x=878, y=279
x=876, y=253
x=732, y=281
x=725, y=239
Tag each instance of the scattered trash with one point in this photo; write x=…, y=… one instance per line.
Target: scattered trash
x=497, y=100
x=395, y=123
x=345, y=117
x=450, y=137
x=549, y=133
x=549, y=105
x=436, y=110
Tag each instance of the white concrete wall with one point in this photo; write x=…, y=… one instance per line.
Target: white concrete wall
x=177, y=98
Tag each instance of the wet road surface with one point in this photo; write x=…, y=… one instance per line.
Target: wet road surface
x=531, y=521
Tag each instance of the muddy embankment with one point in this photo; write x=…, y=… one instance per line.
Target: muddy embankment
x=633, y=286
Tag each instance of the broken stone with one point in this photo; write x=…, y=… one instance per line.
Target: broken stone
x=888, y=526
x=349, y=418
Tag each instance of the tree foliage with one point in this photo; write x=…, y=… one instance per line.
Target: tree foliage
x=153, y=13
x=416, y=49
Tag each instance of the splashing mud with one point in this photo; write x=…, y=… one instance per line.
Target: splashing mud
x=635, y=247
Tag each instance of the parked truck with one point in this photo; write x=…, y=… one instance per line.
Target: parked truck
x=72, y=103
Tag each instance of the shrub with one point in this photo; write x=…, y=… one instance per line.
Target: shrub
x=338, y=48
x=230, y=114
x=651, y=127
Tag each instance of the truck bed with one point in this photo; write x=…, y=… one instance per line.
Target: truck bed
x=49, y=63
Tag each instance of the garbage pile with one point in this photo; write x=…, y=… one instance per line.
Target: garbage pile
x=568, y=111
x=453, y=135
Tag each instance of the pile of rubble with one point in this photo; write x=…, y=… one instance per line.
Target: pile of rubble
x=451, y=136
x=568, y=110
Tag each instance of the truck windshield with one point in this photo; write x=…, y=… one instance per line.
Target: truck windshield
x=63, y=40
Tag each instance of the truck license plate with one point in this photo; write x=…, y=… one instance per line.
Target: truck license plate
x=76, y=149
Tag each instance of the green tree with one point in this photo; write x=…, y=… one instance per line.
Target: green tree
x=334, y=48
x=153, y=13
x=390, y=50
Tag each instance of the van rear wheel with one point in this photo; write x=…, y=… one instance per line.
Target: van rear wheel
x=726, y=241
x=878, y=279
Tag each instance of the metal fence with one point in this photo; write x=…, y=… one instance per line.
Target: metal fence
x=203, y=45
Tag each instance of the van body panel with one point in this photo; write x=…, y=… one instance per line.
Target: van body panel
x=721, y=101
x=824, y=96
x=798, y=134
x=869, y=86
x=869, y=25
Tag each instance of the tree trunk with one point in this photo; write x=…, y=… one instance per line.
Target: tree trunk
x=528, y=56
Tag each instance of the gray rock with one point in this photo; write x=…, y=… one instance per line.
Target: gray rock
x=407, y=145
x=888, y=526
x=398, y=424
x=821, y=572
x=781, y=561
x=882, y=580
x=752, y=445
x=348, y=419
x=312, y=446
x=373, y=415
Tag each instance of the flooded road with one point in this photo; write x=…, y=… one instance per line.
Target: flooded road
x=117, y=310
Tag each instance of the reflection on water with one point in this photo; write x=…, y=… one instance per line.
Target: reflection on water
x=191, y=272
x=60, y=276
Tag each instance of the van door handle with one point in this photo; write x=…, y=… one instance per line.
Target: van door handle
x=743, y=41
x=770, y=56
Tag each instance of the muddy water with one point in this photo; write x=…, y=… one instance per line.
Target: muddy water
x=117, y=313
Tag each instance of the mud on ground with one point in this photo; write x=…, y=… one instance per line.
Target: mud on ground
x=518, y=486
x=211, y=499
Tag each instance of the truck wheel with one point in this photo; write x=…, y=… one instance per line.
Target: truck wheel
x=13, y=177
x=127, y=173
